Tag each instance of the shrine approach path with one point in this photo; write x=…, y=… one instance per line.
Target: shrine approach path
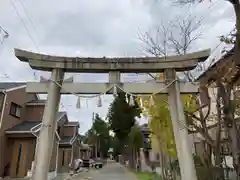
x=111, y=171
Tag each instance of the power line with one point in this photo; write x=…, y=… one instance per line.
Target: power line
x=25, y=27
x=30, y=19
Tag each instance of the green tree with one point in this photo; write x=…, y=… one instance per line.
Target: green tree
x=117, y=146
x=101, y=130
x=99, y=136
x=135, y=137
x=90, y=137
x=121, y=116
x=135, y=142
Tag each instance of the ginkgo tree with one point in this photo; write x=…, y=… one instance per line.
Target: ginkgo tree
x=160, y=125
x=160, y=129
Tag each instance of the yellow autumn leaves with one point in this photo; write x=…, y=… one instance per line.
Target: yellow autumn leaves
x=160, y=124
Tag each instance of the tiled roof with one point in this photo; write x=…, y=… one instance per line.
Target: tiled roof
x=10, y=85
x=27, y=125
x=24, y=127
x=37, y=101
x=60, y=114
x=213, y=67
x=66, y=140
x=72, y=123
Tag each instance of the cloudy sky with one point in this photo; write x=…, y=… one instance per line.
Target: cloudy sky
x=96, y=28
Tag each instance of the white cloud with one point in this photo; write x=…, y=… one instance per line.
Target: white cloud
x=95, y=28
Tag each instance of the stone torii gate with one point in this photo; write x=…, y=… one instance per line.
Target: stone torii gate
x=114, y=66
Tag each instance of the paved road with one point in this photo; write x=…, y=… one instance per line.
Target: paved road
x=111, y=171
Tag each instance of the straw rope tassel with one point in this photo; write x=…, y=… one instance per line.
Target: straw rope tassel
x=131, y=101
x=78, y=105
x=99, y=103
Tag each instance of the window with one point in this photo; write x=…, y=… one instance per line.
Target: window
x=15, y=110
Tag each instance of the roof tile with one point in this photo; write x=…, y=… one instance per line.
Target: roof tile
x=10, y=85
x=72, y=123
x=65, y=139
x=25, y=126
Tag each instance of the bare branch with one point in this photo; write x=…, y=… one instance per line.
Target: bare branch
x=186, y=33
x=174, y=37
x=156, y=43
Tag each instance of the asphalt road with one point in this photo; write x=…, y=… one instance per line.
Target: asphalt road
x=111, y=171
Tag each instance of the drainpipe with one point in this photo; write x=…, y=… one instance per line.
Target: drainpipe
x=35, y=155
x=57, y=158
x=72, y=158
x=3, y=108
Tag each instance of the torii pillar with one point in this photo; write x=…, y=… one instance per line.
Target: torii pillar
x=184, y=153
x=48, y=127
x=114, y=66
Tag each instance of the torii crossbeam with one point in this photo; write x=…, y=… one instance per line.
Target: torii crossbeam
x=114, y=66
x=104, y=65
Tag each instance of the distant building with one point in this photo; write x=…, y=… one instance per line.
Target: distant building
x=146, y=140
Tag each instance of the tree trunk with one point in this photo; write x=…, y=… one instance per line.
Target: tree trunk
x=163, y=168
x=236, y=6
x=133, y=158
x=234, y=135
x=217, y=149
x=161, y=157
x=231, y=126
x=218, y=163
